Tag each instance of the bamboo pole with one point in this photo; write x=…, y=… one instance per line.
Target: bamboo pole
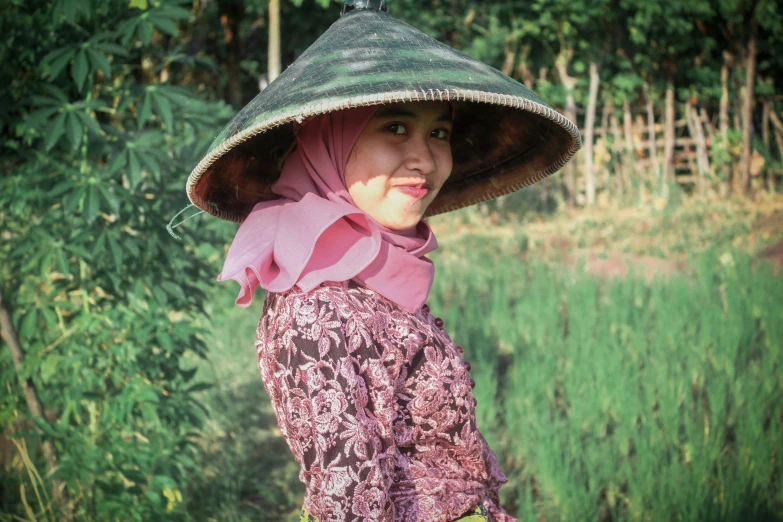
x=622, y=179
x=569, y=82
x=273, y=55
x=747, y=110
x=668, y=134
x=651, y=130
x=589, y=134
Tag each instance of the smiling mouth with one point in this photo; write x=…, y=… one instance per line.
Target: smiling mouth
x=418, y=191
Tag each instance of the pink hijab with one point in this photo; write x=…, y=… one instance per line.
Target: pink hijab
x=315, y=233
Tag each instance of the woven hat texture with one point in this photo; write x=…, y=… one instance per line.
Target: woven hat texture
x=505, y=137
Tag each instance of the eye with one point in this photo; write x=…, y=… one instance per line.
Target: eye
x=446, y=133
x=392, y=128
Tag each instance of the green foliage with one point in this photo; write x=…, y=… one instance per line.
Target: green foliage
x=97, y=139
x=640, y=400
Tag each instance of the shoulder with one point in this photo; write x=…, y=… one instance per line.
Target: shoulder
x=345, y=304
x=346, y=297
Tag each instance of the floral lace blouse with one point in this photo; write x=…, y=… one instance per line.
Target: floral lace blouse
x=376, y=405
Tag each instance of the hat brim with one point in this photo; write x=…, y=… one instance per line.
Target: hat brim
x=504, y=136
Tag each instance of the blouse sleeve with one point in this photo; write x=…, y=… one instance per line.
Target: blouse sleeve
x=337, y=408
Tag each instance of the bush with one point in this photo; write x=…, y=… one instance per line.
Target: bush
x=104, y=301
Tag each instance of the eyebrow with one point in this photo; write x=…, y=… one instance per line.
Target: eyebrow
x=395, y=111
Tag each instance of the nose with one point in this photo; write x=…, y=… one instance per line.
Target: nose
x=420, y=156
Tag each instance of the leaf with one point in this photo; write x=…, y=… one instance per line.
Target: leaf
x=92, y=204
x=126, y=30
x=79, y=251
x=165, y=341
x=188, y=374
x=134, y=173
x=74, y=130
x=50, y=319
x=92, y=125
x=48, y=367
x=118, y=162
x=58, y=127
x=159, y=295
x=29, y=323
x=62, y=266
x=165, y=25
x=56, y=93
x=201, y=386
x=112, y=48
x=57, y=64
x=45, y=426
x=144, y=32
x=116, y=252
x=72, y=200
x=163, y=109
x=138, y=4
x=110, y=197
x=147, y=394
x=36, y=117
x=173, y=289
x=45, y=101
x=99, y=61
x=56, y=54
x=63, y=186
x=100, y=244
x=144, y=112
x=79, y=69
x=149, y=161
x=177, y=13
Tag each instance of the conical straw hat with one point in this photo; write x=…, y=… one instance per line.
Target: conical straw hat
x=504, y=138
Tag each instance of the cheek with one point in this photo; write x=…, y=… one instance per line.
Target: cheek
x=444, y=164
x=367, y=191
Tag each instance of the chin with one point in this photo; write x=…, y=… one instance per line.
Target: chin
x=407, y=225
x=404, y=223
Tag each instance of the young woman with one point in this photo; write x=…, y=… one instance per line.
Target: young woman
x=331, y=175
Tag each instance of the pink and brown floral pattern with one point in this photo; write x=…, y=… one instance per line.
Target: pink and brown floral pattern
x=376, y=405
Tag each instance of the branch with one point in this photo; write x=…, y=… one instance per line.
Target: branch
x=8, y=334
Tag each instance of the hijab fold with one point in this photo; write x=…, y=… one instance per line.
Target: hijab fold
x=315, y=233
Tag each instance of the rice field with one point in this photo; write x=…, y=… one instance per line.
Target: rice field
x=605, y=400
x=626, y=400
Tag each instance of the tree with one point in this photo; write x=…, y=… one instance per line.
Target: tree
x=97, y=137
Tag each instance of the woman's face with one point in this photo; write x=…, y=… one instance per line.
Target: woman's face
x=400, y=161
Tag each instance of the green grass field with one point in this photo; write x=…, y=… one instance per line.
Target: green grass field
x=620, y=399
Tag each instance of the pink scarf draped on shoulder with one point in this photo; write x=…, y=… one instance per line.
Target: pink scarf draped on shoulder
x=315, y=233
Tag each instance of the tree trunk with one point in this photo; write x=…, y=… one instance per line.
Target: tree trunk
x=651, y=147
x=8, y=334
x=523, y=71
x=589, y=134
x=273, y=54
x=773, y=117
x=569, y=82
x=510, y=53
x=747, y=110
x=230, y=15
x=765, y=110
x=668, y=132
x=724, y=99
